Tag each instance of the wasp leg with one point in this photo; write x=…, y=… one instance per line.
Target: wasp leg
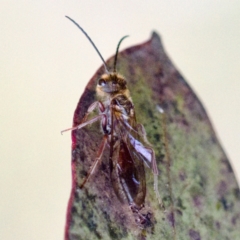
x=93, y=106
x=155, y=175
x=141, y=130
x=92, y=120
x=143, y=219
x=90, y=109
x=96, y=161
x=135, y=208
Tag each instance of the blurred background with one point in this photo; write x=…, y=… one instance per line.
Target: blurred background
x=45, y=63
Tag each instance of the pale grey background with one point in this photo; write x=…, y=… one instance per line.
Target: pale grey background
x=45, y=62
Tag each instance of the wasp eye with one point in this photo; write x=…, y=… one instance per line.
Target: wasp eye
x=101, y=82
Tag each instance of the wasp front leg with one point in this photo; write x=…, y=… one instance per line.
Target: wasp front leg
x=90, y=109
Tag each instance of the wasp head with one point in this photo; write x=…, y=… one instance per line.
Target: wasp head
x=112, y=83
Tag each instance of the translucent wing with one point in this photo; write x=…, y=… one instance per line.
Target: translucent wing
x=126, y=164
x=136, y=137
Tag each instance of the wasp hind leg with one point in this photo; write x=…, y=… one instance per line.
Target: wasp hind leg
x=96, y=161
x=155, y=176
x=143, y=220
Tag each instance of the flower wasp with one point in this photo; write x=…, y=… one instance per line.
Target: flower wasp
x=128, y=146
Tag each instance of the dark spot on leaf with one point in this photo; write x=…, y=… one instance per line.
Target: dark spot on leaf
x=91, y=225
x=73, y=210
x=196, y=190
x=159, y=73
x=82, y=156
x=131, y=70
x=114, y=232
x=185, y=122
x=235, y=219
x=203, y=182
x=164, y=106
x=179, y=212
x=91, y=197
x=82, y=173
x=104, y=167
x=194, y=235
x=182, y=175
x=166, y=199
x=218, y=225
x=208, y=221
x=76, y=196
x=222, y=188
x=171, y=219
x=197, y=201
x=227, y=164
x=180, y=204
x=176, y=110
x=74, y=236
x=93, y=228
x=150, y=113
x=214, y=139
x=236, y=193
x=226, y=205
x=157, y=136
x=74, y=155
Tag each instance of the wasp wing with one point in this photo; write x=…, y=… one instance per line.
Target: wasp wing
x=135, y=139
x=126, y=164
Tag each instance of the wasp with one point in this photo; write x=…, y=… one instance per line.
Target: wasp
x=126, y=139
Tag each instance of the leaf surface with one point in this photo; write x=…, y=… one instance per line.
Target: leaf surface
x=196, y=181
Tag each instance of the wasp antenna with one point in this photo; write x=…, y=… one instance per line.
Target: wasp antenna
x=104, y=63
x=116, y=55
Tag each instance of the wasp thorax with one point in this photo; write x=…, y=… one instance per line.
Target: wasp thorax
x=111, y=83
